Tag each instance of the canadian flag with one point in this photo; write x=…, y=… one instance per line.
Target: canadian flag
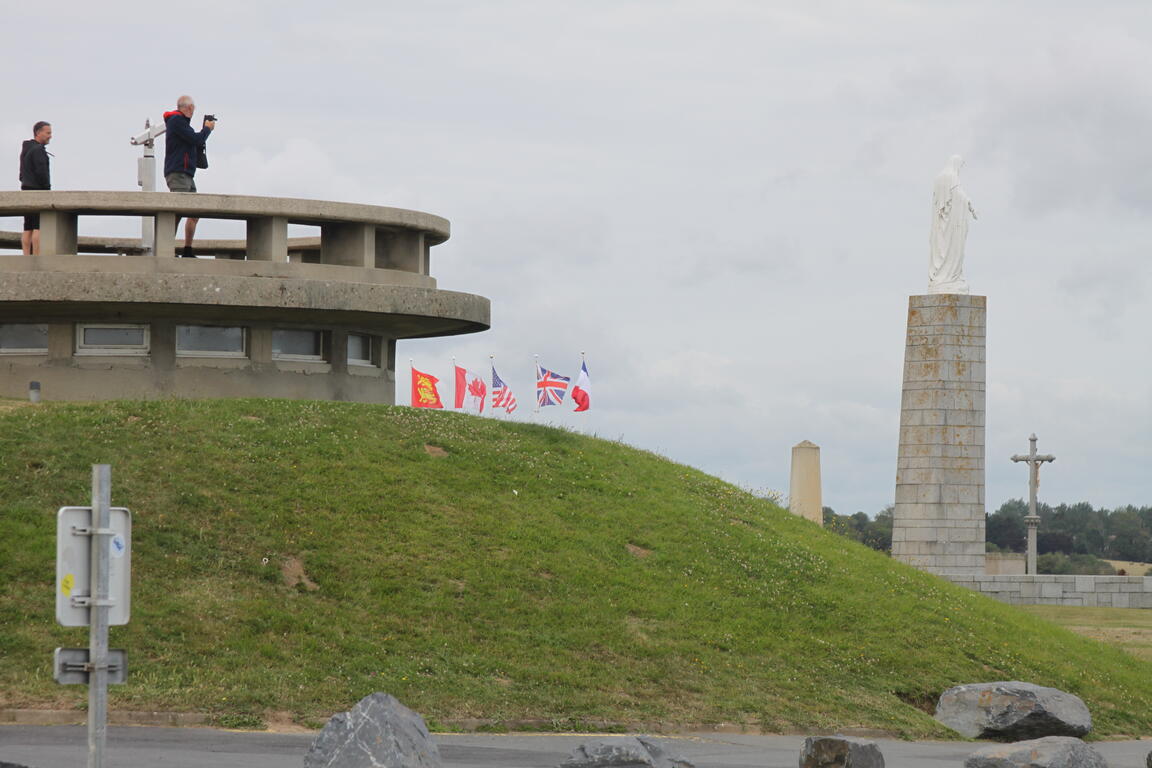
x=582, y=392
x=470, y=390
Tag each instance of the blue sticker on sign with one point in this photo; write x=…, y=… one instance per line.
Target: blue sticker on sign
x=118, y=546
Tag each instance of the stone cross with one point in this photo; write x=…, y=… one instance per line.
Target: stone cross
x=1034, y=460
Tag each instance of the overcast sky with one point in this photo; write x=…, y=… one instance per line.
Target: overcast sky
x=725, y=204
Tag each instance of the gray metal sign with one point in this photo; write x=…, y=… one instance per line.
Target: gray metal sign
x=70, y=666
x=74, y=534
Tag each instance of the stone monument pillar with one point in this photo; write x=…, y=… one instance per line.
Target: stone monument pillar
x=938, y=520
x=804, y=498
x=1033, y=522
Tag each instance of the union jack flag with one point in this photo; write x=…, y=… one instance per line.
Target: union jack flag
x=550, y=387
x=502, y=396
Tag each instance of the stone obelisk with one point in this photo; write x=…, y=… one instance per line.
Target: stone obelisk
x=938, y=520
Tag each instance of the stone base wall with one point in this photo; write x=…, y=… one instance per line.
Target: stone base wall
x=1085, y=591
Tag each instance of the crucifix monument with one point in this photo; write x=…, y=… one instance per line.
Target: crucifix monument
x=1034, y=460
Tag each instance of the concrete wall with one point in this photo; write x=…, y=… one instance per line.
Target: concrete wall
x=938, y=519
x=65, y=375
x=1087, y=591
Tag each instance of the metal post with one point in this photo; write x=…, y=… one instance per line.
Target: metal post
x=147, y=182
x=98, y=616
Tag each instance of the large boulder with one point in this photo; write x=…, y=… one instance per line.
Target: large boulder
x=623, y=752
x=1048, y=752
x=840, y=752
x=379, y=732
x=1011, y=711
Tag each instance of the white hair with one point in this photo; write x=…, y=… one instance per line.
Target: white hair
x=184, y=101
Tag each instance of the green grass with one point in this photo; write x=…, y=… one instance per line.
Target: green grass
x=530, y=573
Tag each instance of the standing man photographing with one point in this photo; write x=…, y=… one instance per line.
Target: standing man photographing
x=183, y=148
x=34, y=174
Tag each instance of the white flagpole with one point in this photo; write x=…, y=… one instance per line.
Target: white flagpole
x=411, y=368
x=536, y=410
x=492, y=369
x=455, y=383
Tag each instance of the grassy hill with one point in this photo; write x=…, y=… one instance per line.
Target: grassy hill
x=295, y=556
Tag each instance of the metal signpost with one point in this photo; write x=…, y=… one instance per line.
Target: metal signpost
x=93, y=577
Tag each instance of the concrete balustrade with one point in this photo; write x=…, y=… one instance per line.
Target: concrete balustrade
x=352, y=235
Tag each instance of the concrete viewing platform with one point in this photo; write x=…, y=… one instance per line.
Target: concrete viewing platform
x=96, y=318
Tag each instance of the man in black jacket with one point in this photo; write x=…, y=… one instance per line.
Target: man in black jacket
x=34, y=174
x=182, y=149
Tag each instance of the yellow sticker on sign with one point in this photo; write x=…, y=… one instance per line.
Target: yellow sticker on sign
x=66, y=584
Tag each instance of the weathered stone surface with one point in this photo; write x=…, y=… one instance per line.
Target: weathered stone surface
x=1010, y=711
x=840, y=752
x=1048, y=752
x=623, y=752
x=379, y=732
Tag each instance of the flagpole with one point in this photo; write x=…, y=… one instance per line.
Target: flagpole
x=411, y=394
x=536, y=410
x=492, y=370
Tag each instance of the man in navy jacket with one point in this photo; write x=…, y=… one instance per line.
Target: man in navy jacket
x=182, y=148
x=34, y=174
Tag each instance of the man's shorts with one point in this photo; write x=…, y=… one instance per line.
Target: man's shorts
x=180, y=182
x=31, y=221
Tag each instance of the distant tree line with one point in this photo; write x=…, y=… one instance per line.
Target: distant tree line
x=1124, y=533
x=873, y=532
x=1072, y=538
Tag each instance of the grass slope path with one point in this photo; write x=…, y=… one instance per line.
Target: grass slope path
x=296, y=556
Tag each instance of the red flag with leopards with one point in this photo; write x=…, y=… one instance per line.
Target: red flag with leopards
x=424, y=392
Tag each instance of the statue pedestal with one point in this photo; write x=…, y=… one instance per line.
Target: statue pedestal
x=938, y=520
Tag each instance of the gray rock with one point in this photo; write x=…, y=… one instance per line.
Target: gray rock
x=379, y=732
x=1010, y=711
x=1048, y=752
x=840, y=752
x=623, y=752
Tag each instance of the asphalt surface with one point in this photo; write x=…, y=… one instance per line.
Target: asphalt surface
x=65, y=746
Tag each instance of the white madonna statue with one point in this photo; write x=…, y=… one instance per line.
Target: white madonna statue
x=950, y=210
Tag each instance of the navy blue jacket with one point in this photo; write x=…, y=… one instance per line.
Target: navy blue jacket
x=182, y=144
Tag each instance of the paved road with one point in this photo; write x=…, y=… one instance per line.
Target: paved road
x=66, y=747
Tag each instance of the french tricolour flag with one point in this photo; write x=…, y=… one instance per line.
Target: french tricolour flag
x=582, y=391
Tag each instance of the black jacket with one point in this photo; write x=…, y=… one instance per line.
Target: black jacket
x=34, y=172
x=182, y=144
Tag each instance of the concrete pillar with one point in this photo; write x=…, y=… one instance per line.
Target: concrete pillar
x=165, y=247
x=351, y=245
x=804, y=497
x=268, y=239
x=403, y=250
x=1033, y=523
x=57, y=233
x=938, y=519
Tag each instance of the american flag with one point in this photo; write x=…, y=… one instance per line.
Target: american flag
x=550, y=387
x=502, y=396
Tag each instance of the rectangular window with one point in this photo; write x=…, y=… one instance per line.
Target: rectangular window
x=362, y=350
x=111, y=339
x=23, y=339
x=210, y=341
x=291, y=344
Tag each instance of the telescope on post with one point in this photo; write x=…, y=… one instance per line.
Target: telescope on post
x=146, y=177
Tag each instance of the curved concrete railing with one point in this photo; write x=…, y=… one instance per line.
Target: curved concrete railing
x=370, y=265
x=353, y=235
